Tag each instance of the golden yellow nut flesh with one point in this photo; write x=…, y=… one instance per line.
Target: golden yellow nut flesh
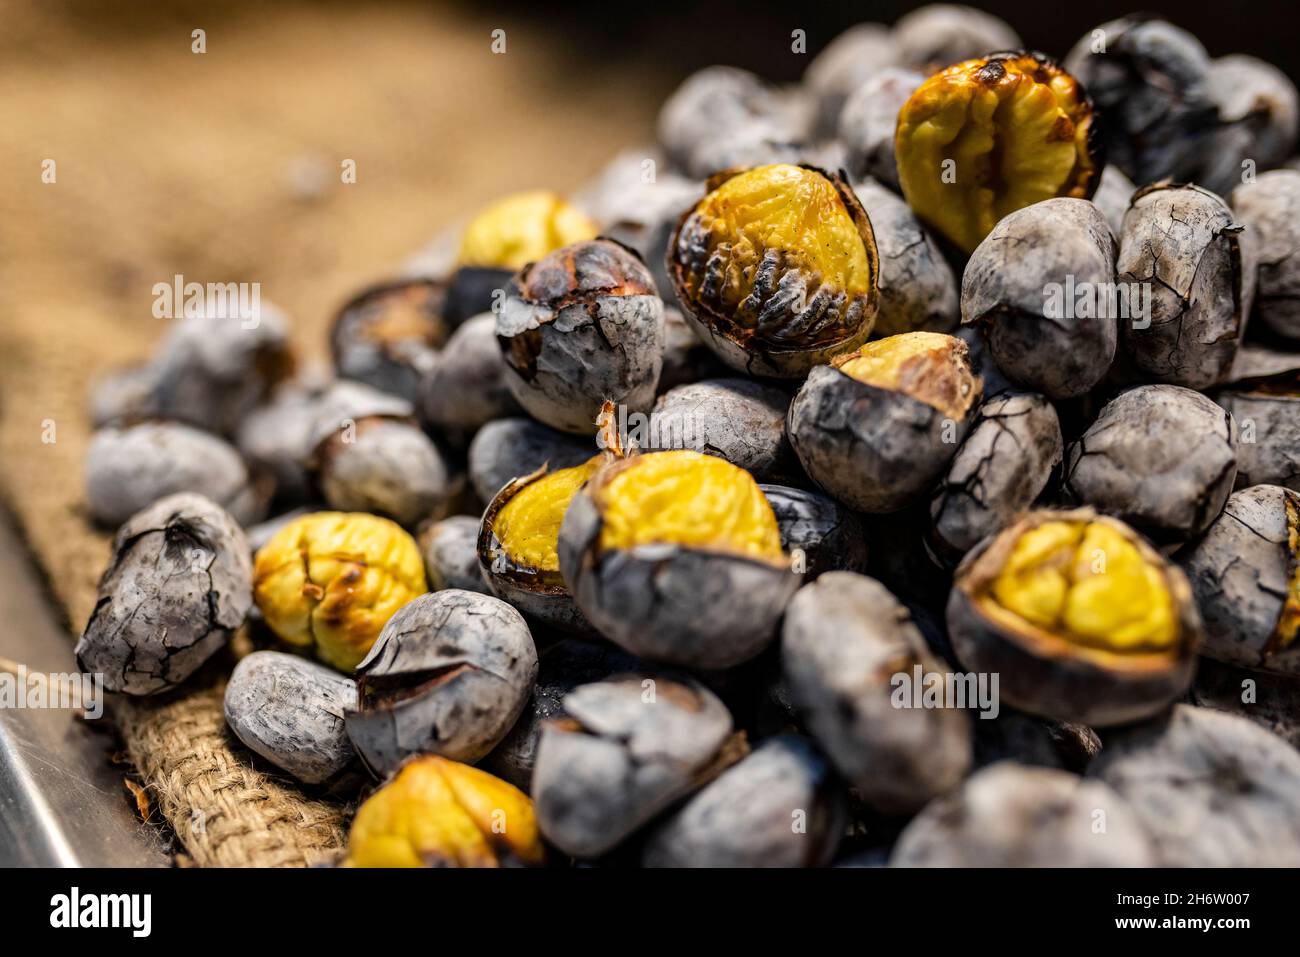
x=441, y=813
x=522, y=228
x=528, y=526
x=1288, y=624
x=782, y=256
x=686, y=498
x=331, y=580
x=986, y=137
x=1086, y=583
x=928, y=366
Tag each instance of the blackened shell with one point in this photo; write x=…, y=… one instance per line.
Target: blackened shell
x=1161, y=457
x=1009, y=815
x=1212, y=789
x=844, y=642
x=780, y=806
x=1048, y=683
x=561, y=668
x=1184, y=243
x=179, y=584
x=1240, y=570
x=128, y=469
x=818, y=533
x=449, y=674
x=739, y=420
x=873, y=449
x=581, y=327
x=670, y=603
x=290, y=711
x=1004, y=465
x=630, y=747
x=450, y=552
x=1017, y=287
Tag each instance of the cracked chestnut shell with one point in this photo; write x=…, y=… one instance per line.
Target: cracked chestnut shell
x=1160, y=457
x=579, y=327
x=1263, y=398
x=777, y=269
x=1245, y=573
x=750, y=815
x=518, y=541
x=1200, y=262
x=1270, y=207
x=1079, y=615
x=329, y=581
x=1013, y=452
x=178, y=586
x=449, y=675
x=627, y=748
x=388, y=335
x=676, y=557
x=1010, y=815
x=1211, y=789
x=1019, y=290
x=819, y=533
x=986, y=137
x=844, y=640
x=290, y=711
x=876, y=427
x=440, y=813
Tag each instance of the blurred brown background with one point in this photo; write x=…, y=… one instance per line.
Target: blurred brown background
x=225, y=166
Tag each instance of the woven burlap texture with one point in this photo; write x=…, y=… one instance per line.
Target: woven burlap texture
x=225, y=812
x=223, y=167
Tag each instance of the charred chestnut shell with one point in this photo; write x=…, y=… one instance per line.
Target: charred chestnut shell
x=582, y=326
x=1058, y=676
x=762, y=292
x=387, y=335
x=1245, y=573
x=687, y=605
x=538, y=592
x=878, y=445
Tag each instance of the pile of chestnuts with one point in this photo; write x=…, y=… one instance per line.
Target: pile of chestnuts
x=904, y=473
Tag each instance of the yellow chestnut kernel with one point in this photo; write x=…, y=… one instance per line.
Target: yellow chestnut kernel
x=1085, y=582
x=522, y=228
x=686, y=498
x=928, y=366
x=743, y=247
x=528, y=526
x=440, y=813
x=986, y=137
x=1288, y=624
x=331, y=580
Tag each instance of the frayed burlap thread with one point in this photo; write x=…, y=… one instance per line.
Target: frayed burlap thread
x=224, y=811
